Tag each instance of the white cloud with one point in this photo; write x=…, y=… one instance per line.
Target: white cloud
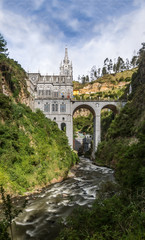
x=29, y=44
x=119, y=38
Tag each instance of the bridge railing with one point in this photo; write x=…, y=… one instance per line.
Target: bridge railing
x=98, y=100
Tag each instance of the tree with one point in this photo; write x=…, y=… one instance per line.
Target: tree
x=110, y=66
x=93, y=73
x=119, y=64
x=104, y=71
x=106, y=64
x=79, y=78
x=141, y=54
x=10, y=212
x=3, y=46
x=114, y=68
x=139, y=77
x=99, y=72
x=134, y=61
x=127, y=64
x=141, y=61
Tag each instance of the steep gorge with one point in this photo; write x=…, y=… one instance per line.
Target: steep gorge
x=119, y=211
x=33, y=151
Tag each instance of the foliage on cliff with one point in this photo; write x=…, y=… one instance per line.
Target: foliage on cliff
x=33, y=150
x=12, y=75
x=122, y=215
x=110, y=219
x=12, y=79
x=124, y=148
x=111, y=86
x=117, y=86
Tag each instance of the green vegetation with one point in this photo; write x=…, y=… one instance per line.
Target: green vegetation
x=110, y=219
x=3, y=46
x=78, y=85
x=12, y=75
x=10, y=212
x=125, y=145
x=119, y=213
x=83, y=124
x=116, y=78
x=33, y=150
x=106, y=118
x=13, y=78
x=112, y=82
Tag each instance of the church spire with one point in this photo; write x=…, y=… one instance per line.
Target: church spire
x=66, y=60
x=66, y=67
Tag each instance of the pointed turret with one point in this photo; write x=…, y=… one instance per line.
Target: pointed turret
x=66, y=68
x=66, y=60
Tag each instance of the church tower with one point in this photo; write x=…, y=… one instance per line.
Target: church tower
x=66, y=68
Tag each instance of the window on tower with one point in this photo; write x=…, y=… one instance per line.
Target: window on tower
x=46, y=107
x=62, y=107
x=54, y=107
x=55, y=94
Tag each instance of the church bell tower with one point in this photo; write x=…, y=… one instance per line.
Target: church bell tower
x=66, y=66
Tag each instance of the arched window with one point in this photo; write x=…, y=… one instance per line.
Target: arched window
x=62, y=107
x=63, y=127
x=46, y=107
x=54, y=107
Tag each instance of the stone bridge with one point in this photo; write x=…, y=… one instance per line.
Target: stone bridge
x=53, y=95
x=95, y=108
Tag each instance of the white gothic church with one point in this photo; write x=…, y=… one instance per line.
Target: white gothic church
x=53, y=93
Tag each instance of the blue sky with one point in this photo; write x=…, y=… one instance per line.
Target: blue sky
x=37, y=32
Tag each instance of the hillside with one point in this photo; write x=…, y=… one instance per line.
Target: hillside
x=13, y=80
x=33, y=151
x=124, y=145
x=109, y=86
x=119, y=211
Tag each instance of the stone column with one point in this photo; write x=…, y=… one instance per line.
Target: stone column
x=69, y=131
x=97, y=133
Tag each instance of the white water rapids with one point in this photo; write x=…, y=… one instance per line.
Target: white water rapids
x=40, y=219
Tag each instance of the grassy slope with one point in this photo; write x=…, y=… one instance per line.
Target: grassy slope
x=33, y=150
x=117, y=77
x=12, y=79
x=125, y=145
x=118, y=216
x=113, y=93
x=115, y=84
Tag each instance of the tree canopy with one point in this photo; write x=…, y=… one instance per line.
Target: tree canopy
x=3, y=46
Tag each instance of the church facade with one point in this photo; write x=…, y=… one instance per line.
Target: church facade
x=52, y=94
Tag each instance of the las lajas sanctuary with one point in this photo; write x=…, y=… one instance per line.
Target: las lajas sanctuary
x=53, y=94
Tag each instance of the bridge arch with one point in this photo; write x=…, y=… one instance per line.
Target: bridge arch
x=90, y=108
x=77, y=142
x=111, y=107
x=95, y=108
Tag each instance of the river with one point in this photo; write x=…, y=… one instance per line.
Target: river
x=40, y=219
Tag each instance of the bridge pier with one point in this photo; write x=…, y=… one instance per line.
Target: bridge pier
x=97, y=133
x=69, y=131
x=95, y=107
x=66, y=118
